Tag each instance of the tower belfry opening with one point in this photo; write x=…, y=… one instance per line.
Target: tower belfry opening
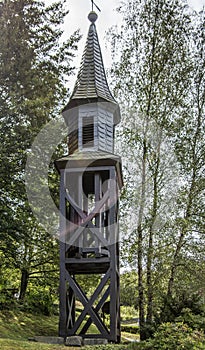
x=91, y=178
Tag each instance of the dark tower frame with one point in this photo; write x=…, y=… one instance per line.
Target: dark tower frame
x=98, y=255
x=90, y=181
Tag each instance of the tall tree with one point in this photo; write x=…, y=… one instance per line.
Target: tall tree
x=153, y=43
x=190, y=151
x=34, y=66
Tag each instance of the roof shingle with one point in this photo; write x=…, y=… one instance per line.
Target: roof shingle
x=91, y=84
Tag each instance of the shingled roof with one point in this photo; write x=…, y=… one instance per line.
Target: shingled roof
x=91, y=84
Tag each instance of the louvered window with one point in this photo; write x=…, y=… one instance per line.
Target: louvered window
x=88, y=132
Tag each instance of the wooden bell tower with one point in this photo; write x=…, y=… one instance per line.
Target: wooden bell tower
x=91, y=178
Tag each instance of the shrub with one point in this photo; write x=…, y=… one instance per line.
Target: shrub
x=130, y=328
x=173, y=306
x=39, y=301
x=7, y=299
x=192, y=320
x=174, y=336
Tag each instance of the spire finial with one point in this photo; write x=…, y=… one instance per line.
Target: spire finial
x=93, y=15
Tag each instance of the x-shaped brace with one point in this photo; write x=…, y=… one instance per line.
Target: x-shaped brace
x=88, y=303
x=87, y=219
x=70, y=307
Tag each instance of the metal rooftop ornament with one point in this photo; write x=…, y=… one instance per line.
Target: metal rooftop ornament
x=94, y=4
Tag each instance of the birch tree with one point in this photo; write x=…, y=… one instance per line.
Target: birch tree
x=190, y=151
x=151, y=75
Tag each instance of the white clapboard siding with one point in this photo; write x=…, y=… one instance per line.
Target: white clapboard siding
x=105, y=130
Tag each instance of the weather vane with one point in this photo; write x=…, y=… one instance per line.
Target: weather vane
x=94, y=4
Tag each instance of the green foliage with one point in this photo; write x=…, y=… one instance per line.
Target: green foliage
x=130, y=328
x=128, y=289
x=88, y=283
x=194, y=321
x=35, y=64
x=39, y=300
x=174, y=307
x=175, y=336
x=162, y=97
x=128, y=313
x=162, y=140
x=7, y=300
x=8, y=284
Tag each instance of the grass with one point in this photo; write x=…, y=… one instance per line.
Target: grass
x=21, y=326
x=17, y=326
x=11, y=344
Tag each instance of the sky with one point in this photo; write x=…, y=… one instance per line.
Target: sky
x=77, y=18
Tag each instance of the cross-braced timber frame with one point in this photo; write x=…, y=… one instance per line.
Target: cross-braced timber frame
x=89, y=245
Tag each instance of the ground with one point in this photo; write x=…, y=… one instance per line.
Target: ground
x=17, y=326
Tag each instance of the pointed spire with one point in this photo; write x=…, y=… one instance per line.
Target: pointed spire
x=91, y=84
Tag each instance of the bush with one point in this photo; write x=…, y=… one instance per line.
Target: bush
x=192, y=320
x=39, y=301
x=173, y=306
x=174, y=336
x=129, y=328
x=7, y=299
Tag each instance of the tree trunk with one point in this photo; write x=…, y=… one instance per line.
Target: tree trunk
x=140, y=244
x=24, y=283
x=151, y=236
x=145, y=155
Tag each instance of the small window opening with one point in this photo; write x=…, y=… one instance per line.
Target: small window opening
x=88, y=132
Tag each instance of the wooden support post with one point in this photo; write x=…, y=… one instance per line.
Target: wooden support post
x=62, y=287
